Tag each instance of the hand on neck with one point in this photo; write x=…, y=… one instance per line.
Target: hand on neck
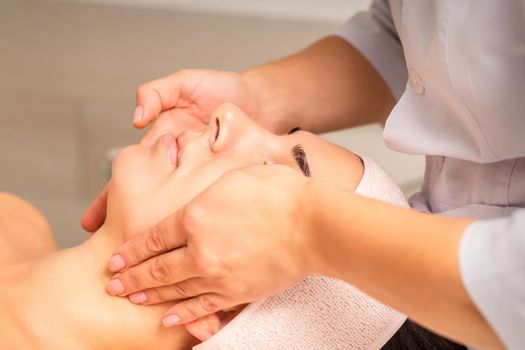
x=63, y=304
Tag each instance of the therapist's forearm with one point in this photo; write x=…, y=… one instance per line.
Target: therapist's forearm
x=405, y=259
x=327, y=86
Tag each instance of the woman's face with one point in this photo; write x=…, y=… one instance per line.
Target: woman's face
x=150, y=183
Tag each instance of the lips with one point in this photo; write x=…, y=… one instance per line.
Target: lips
x=169, y=142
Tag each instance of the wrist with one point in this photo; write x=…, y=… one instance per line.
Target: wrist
x=271, y=107
x=314, y=211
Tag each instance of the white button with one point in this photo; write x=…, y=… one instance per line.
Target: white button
x=416, y=82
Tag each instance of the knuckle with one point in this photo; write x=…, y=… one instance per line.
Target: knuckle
x=160, y=271
x=194, y=313
x=191, y=217
x=154, y=296
x=133, y=281
x=181, y=290
x=155, y=240
x=207, y=304
x=132, y=252
x=207, y=263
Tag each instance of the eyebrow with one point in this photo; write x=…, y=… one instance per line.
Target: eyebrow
x=300, y=158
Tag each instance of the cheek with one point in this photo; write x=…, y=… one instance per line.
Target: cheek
x=132, y=184
x=194, y=154
x=339, y=167
x=189, y=185
x=130, y=171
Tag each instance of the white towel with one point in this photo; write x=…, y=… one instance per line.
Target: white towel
x=319, y=312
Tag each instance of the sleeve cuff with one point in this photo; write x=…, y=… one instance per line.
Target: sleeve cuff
x=492, y=267
x=373, y=33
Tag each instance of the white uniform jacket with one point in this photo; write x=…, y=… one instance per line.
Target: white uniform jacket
x=457, y=68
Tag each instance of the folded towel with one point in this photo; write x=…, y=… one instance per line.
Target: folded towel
x=319, y=312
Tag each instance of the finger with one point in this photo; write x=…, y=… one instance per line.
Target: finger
x=204, y=328
x=162, y=270
x=193, y=309
x=173, y=121
x=163, y=237
x=95, y=215
x=182, y=290
x=168, y=122
x=227, y=315
x=153, y=134
x=155, y=97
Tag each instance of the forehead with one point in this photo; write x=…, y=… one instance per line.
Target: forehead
x=329, y=162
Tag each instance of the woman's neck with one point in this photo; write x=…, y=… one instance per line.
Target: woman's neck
x=66, y=305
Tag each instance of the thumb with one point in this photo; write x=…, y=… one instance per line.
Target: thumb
x=155, y=97
x=205, y=327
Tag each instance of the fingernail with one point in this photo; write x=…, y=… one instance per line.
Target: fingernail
x=170, y=321
x=139, y=113
x=116, y=263
x=115, y=287
x=138, y=298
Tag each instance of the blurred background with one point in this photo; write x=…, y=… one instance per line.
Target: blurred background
x=69, y=70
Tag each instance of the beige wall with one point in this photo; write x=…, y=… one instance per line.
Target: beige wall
x=68, y=73
x=328, y=11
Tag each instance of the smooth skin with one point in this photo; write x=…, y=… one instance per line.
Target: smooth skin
x=303, y=90
x=47, y=303
x=336, y=232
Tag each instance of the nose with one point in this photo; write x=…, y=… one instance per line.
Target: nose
x=234, y=127
x=166, y=139
x=186, y=136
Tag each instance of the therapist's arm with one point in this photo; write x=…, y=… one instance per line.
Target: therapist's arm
x=405, y=259
x=329, y=85
x=346, y=80
x=223, y=250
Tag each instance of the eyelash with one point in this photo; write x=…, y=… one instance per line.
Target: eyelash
x=300, y=156
x=294, y=130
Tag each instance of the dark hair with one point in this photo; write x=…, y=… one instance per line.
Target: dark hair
x=412, y=336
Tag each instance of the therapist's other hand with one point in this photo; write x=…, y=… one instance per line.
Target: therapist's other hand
x=242, y=239
x=95, y=215
x=186, y=99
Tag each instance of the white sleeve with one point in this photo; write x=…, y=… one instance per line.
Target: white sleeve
x=492, y=265
x=373, y=33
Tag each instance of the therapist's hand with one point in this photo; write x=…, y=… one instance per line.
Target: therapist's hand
x=186, y=100
x=242, y=239
x=181, y=101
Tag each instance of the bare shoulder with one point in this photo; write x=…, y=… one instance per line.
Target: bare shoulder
x=24, y=232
